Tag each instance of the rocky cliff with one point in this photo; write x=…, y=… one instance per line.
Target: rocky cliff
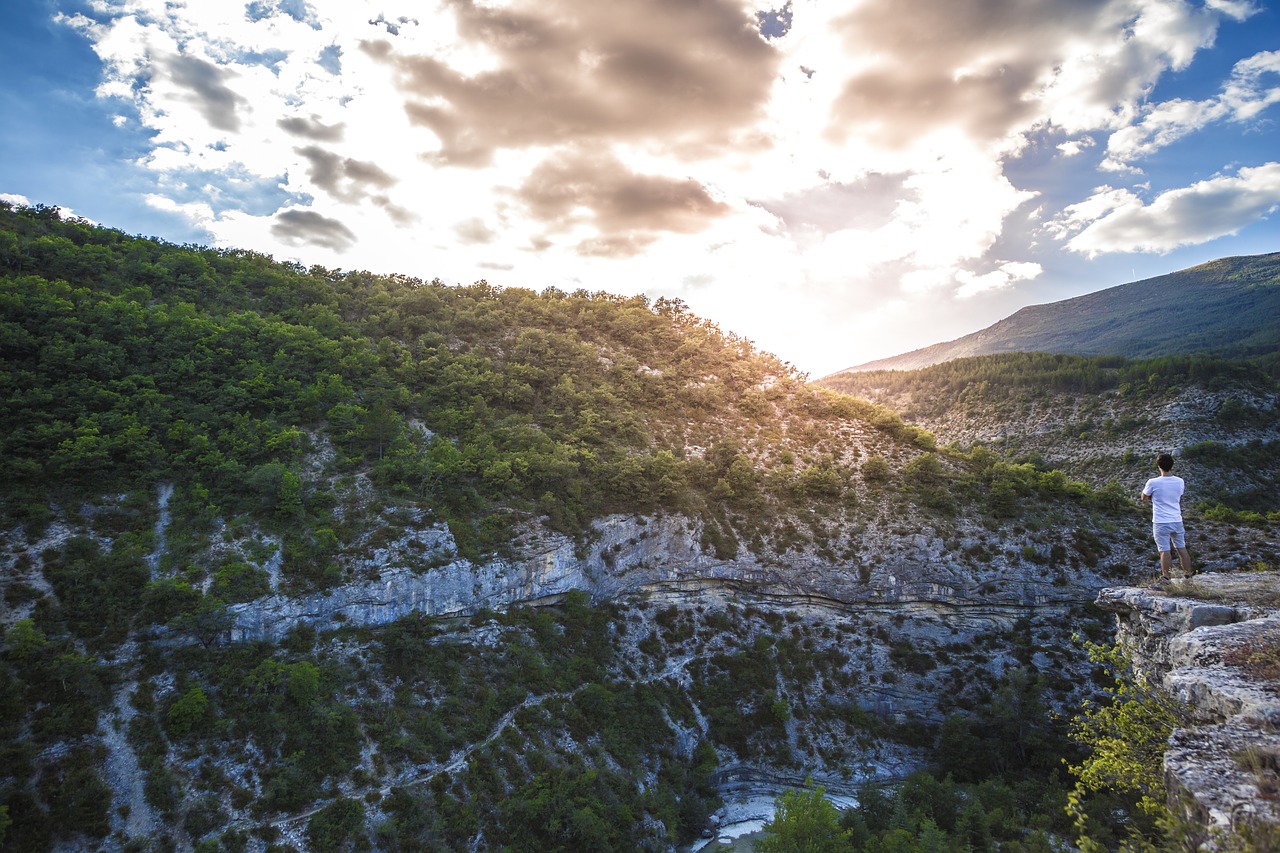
x=915, y=574
x=1214, y=642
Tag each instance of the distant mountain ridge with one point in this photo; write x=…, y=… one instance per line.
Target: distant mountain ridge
x=1230, y=307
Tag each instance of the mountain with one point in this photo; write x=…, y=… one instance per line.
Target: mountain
x=1104, y=418
x=1230, y=307
x=300, y=559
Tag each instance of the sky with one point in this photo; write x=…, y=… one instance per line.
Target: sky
x=836, y=180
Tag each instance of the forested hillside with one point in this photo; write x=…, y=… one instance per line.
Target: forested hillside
x=1229, y=307
x=505, y=570
x=129, y=361
x=1105, y=418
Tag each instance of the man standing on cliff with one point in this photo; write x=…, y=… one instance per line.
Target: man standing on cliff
x=1165, y=494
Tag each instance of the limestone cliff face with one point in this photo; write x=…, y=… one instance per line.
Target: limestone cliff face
x=909, y=574
x=1197, y=640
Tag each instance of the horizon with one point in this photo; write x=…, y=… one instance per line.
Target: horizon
x=838, y=185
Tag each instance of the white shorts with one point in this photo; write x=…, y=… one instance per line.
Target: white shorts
x=1169, y=533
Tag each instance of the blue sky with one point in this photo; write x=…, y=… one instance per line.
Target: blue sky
x=834, y=180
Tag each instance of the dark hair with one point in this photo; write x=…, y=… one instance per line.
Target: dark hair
x=1164, y=462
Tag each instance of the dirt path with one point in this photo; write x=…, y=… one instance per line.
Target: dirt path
x=293, y=826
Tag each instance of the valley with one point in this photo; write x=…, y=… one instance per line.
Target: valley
x=307, y=560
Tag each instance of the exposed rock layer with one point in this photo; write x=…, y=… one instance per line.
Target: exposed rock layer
x=630, y=555
x=1193, y=640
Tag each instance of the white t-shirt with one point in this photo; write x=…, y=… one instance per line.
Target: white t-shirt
x=1166, y=498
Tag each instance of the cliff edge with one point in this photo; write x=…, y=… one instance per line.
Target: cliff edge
x=1213, y=641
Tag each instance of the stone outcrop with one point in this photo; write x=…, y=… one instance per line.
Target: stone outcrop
x=1197, y=639
x=627, y=554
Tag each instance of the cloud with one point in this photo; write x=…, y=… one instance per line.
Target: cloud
x=1001, y=278
x=475, y=231
x=686, y=77
x=1243, y=97
x=207, y=90
x=1072, y=147
x=626, y=209
x=344, y=178
x=311, y=128
x=301, y=227
x=1117, y=220
x=994, y=71
x=836, y=205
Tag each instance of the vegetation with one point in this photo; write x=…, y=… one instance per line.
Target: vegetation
x=310, y=418
x=1126, y=737
x=1225, y=307
x=991, y=378
x=129, y=361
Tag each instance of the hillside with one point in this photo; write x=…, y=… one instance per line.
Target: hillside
x=1105, y=419
x=303, y=559
x=1228, y=307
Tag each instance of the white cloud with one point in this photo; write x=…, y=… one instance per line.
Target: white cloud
x=1243, y=97
x=1072, y=147
x=858, y=159
x=1118, y=221
x=1001, y=278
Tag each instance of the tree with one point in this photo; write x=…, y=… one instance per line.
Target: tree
x=208, y=622
x=188, y=712
x=805, y=822
x=24, y=640
x=1126, y=739
x=338, y=826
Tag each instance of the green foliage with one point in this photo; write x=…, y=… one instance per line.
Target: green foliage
x=928, y=814
x=1125, y=739
x=569, y=811
x=207, y=622
x=188, y=712
x=24, y=641
x=876, y=470
x=97, y=593
x=235, y=581
x=165, y=599
x=804, y=821
x=338, y=827
x=1255, y=485
x=68, y=800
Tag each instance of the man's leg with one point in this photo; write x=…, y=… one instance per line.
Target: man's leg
x=1166, y=564
x=1185, y=559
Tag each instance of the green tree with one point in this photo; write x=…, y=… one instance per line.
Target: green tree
x=188, y=712
x=208, y=622
x=1126, y=738
x=338, y=826
x=805, y=821
x=24, y=641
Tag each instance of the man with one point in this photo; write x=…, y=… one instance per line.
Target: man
x=1165, y=494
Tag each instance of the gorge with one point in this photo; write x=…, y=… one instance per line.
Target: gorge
x=332, y=561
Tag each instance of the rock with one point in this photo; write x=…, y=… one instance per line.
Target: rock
x=631, y=554
x=1220, y=771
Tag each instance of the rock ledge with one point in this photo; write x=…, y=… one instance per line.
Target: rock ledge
x=1223, y=768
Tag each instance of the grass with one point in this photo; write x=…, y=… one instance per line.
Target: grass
x=1264, y=765
x=1259, y=659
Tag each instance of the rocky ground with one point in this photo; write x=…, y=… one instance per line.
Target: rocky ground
x=1214, y=642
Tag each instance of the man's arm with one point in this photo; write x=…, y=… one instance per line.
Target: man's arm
x=1146, y=497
